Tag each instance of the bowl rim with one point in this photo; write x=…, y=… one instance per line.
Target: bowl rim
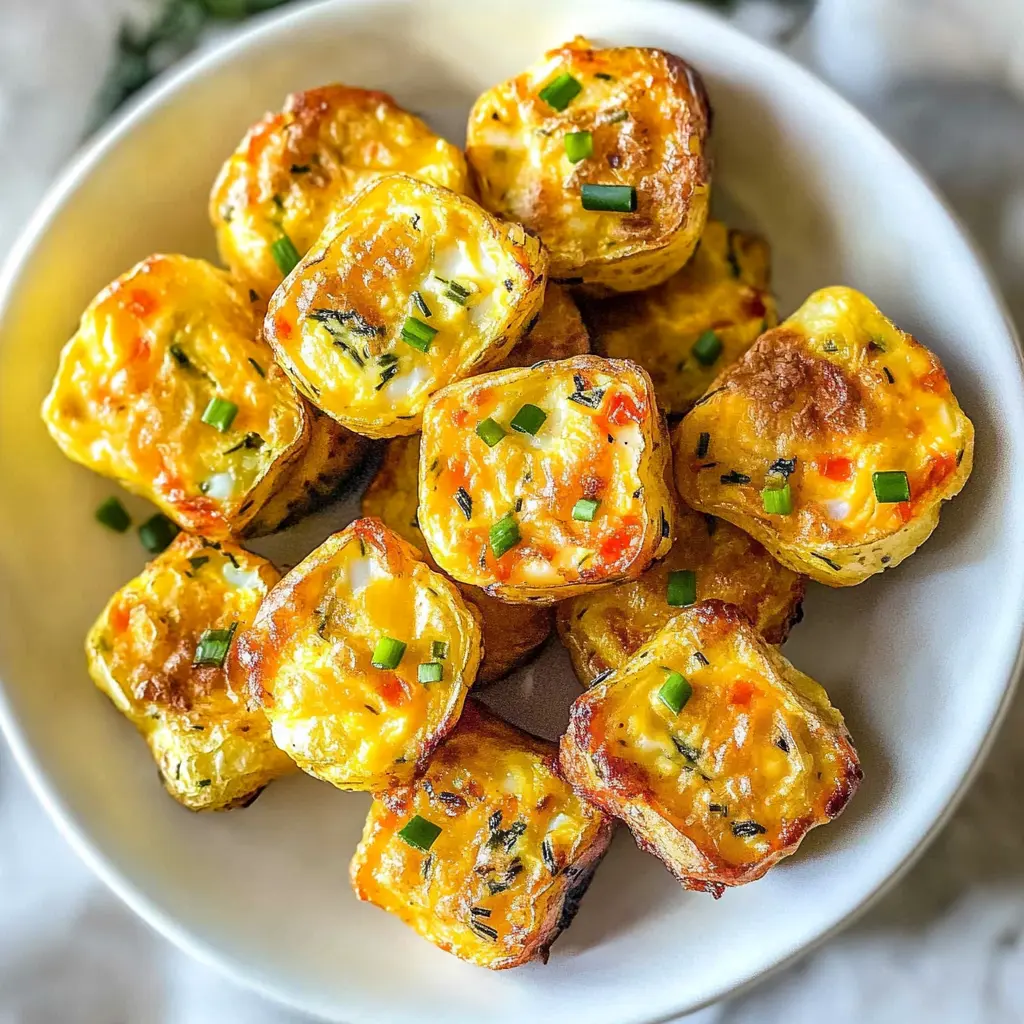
x=161, y=91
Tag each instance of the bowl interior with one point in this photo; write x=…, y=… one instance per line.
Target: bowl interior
x=919, y=659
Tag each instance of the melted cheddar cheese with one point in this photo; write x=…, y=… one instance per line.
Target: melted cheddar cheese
x=513, y=856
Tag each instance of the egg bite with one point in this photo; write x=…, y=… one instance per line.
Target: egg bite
x=834, y=441
x=166, y=388
x=488, y=854
x=408, y=288
x=163, y=652
x=275, y=193
x=557, y=332
x=541, y=483
x=602, y=153
x=510, y=632
x=709, y=559
x=362, y=657
x=689, y=328
x=715, y=751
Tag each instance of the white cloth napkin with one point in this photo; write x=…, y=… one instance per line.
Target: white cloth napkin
x=945, y=78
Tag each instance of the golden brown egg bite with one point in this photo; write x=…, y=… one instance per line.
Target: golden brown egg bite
x=688, y=328
x=601, y=152
x=511, y=632
x=833, y=442
x=715, y=751
x=709, y=559
x=362, y=657
x=409, y=288
x=541, y=483
x=275, y=193
x=163, y=652
x=489, y=852
x=558, y=332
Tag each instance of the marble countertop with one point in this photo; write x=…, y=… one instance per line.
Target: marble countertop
x=945, y=79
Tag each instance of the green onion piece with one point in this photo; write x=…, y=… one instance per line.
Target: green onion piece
x=430, y=672
x=419, y=833
x=213, y=646
x=891, y=486
x=682, y=588
x=585, y=509
x=560, y=91
x=113, y=515
x=675, y=692
x=157, y=532
x=504, y=534
x=489, y=432
x=388, y=653
x=417, y=334
x=778, y=501
x=707, y=348
x=439, y=650
x=456, y=292
x=220, y=413
x=609, y=198
x=286, y=256
x=529, y=419
x=421, y=304
x=578, y=146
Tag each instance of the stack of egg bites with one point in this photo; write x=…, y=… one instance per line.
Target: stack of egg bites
x=383, y=284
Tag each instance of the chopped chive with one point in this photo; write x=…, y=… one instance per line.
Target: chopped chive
x=585, y=509
x=891, y=486
x=113, y=515
x=703, y=444
x=504, y=534
x=213, y=646
x=157, y=532
x=386, y=374
x=456, y=292
x=489, y=432
x=578, y=146
x=529, y=419
x=734, y=477
x=421, y=304
x=387, y=653
x=784, y=467
x=682, y=588
x=286, y=256
x=198, y=561
x=609, y=198
x=179, y=356
x=675, y=692
x=251, y=442
x=220, y=413
x=778, y=501
x=465, y=502
x=746, y=829
x=604, y=76
x=707, y=348
x=430, y=672
x=256, y=366
x=419, y=833
x=418, y=334
x=560, y=91
x=439, y=650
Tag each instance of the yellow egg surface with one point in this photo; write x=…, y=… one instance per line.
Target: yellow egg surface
x=853, y=416
x=715, y=751
x=152, y=653
x=540, y=483
x=489, y=852
x=511, y=632
x=342, y=711
x=156, y=351
x=690, y=327
x=293, y=168
x=710, y=558
x=641, y=117
x=409, y=288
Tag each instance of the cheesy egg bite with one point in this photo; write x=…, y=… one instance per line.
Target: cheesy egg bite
x=690, y=327
x=715, y=751
x=163, y=652
x=362, y=657
x=166, y=388
x=409, y=288
x=557, y=332
x=710, y=559
x=601, y=152
x=511, y=632
x=489, y=852
x=275, y=193
x=542, y=483
x=834, y=441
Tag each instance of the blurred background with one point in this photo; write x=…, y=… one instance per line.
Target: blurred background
x=945, y=80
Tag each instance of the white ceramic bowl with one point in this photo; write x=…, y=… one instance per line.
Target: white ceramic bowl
x=921, y=660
